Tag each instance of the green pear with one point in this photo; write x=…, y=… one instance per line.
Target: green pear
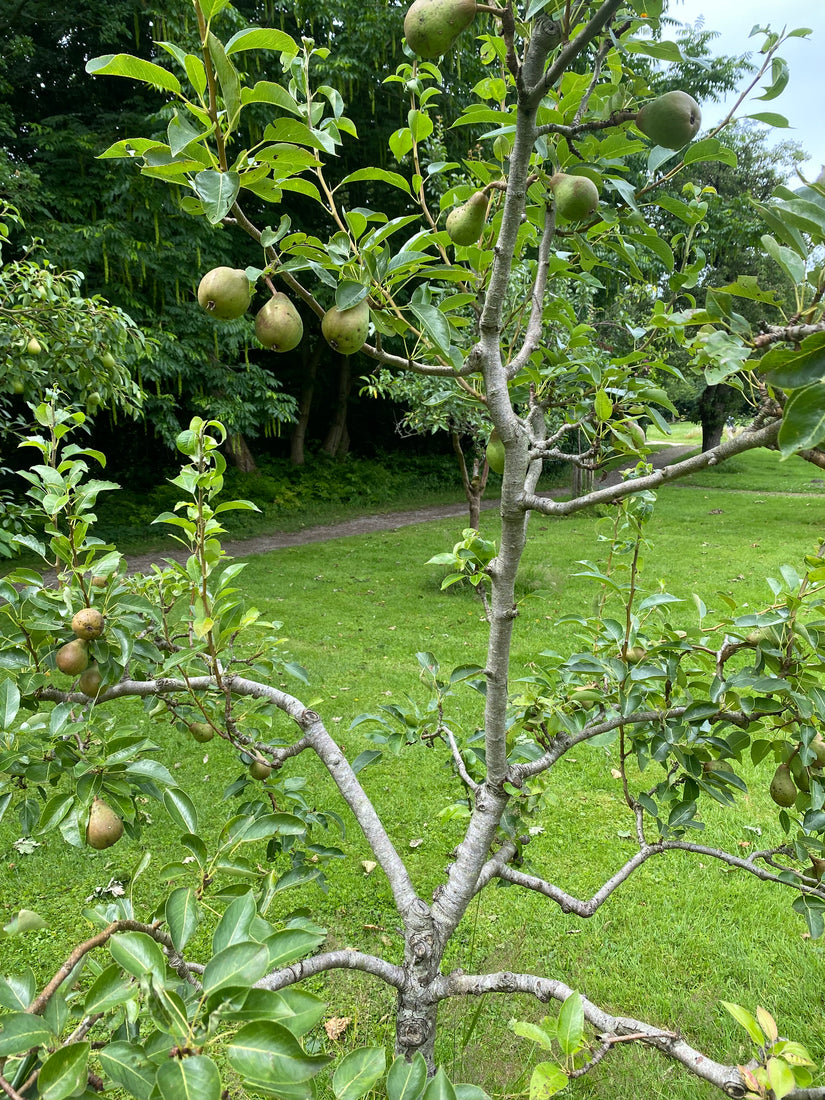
x=73, y=657
x=818, y=748
x=495, y=453
x=278, y=324
x=33, y=347
x=671, y=120
x=104, y=828
x=345, y=330
x=225, y=292
x=783, y=788
x=576, y=197
x=259, y=769
x=90, y=681
x=201, y=731
x=431, y=26
x=466, y=222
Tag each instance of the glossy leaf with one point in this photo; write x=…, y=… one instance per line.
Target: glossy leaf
x=181, y=809
x=570, y=1025
x=128, y=1067
x=193, y=1078
x=182, y=913
x=135, y=68
x=356, y=1074
x=108, y=989
x=407, y=1080
x=64, y=1073
x=19, y=1031
x=233, y=927
x=803, y=424
x=138, y=954
x=238, y=965
x=439, y=1087
x=269, y=1054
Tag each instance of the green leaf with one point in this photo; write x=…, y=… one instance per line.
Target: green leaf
x=138, y=954
x=181, y=809
x=20, y=1031
x=237, y=965
x=229, y=81
x=770, y=119
x=470, y=1092
x=135, y=68
x=533, y=1032
x=748, y=1022
x=261, y=38
x=779, y=79
x=349, y=294
x=64, y=1073
x=9, y=703
x=358, y=1072
x=794, y=369
x=365, y=758
x=128, y=1066
x=182, y=914
x=233, y=927
x=24, y=921
x=435, y=324
x=217, y=191
x=788, y=260
x=379, y=175
x=17, y=991
x=439, y=1087
x=290, y=944
x=710, y=149
x=547, y=1080
x=406, y=1080
x=193, y=1078
x=267, y=1053
x=296, y=1009
x=803, y=422
x=780, y=1077
x=570, y=1025
x=108, y=989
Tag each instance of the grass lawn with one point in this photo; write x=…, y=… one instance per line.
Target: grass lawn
x=673, y=942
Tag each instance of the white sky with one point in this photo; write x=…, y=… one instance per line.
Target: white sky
x=803, y=101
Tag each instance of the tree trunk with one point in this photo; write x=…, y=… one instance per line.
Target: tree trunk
x=337, y=440
x=238, y=451
x=296, y=448
x=714, y=406
x=475, y=484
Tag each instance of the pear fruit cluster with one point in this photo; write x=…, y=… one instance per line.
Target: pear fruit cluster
x=345, y=330
x=225, y=293
x=432, y=26
x=792, y=775
x=278, y=324
x=671, y=120
x=577, y=197
x=104, y=827
x=73, y=657
x=465, y=223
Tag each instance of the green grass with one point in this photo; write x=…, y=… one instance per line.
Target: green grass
x=670, y=944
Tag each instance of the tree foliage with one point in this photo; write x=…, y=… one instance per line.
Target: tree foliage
x=684, y=709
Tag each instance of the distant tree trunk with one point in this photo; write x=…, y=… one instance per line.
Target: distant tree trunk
x=715, y=405
x=582, y=481
x=240, y=455
x=296, y=449
x=475, y=483
x=337, y=440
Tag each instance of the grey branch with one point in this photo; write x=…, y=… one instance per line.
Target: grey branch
x=726, y=1078
x=744, y=441
x=532, y=336
x=334, y=960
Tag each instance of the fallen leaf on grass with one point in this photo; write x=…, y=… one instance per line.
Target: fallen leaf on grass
x=369, y=866
x=336, y=1026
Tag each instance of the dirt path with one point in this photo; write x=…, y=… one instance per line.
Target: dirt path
x=363, y=525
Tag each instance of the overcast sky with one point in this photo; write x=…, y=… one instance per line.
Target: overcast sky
x=803, y=101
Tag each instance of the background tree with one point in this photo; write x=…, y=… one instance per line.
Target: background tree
x=691, y=706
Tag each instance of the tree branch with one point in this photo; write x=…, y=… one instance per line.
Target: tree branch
x=726, y=1078
x=744, y=441
x=334, y=960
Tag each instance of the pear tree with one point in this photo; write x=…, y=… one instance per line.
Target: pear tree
x=203, y=992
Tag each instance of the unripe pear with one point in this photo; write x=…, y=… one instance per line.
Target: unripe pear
x=466, y=222
x=671, y=120
x=33, y=347
x=431, y=26
x=73, y=657
x=108, y=360
x=818, y=748
x=783, y=788
x=87, y=623
x=278, y=324
x=90, y=680
x=345, y=330
x=104, y=828
x=576, y=197
x=99, y=581
x=225, y=292
x=495, y=453
x=259, y=769
x=201, y=731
